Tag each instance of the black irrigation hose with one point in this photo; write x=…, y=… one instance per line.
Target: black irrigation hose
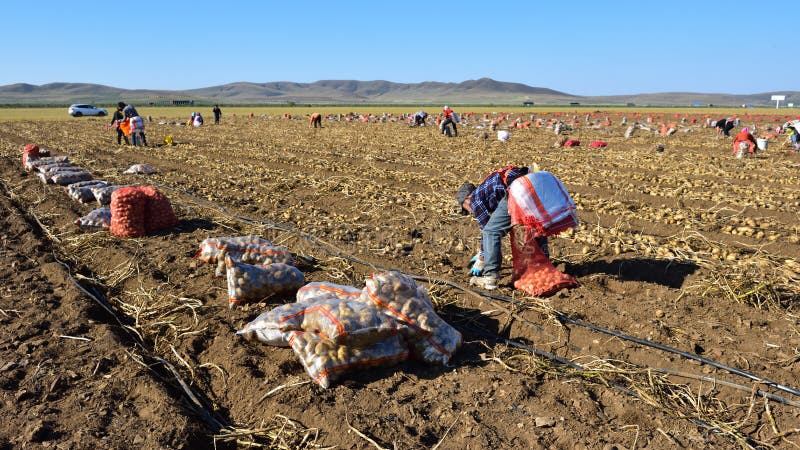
x=561, y=316
x=576, y=366
x=733, y=370
x=195, y=403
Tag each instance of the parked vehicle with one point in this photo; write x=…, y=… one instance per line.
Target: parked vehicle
x=82, y=109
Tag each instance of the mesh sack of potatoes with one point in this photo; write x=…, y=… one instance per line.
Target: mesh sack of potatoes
x=62, y=178
x=82, y=190
x=326, y=362
x=247, y=282
x=209, y=248
x=532, y=270
x=97, y=220
x=127, y=212
x=431, y=338
x=321, y=289
x=273, y=327
x=347, y=322
x=46, y=173
x=145, y=169
x=103, y=193
x=56, y=166
x=159, y=214
x=34, y=163
x=43, y=166
x=255, y=254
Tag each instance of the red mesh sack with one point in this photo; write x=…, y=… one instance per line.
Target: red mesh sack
x=30, y=150
x=533, y=272
x=158, y=212
x=127, y=212
x=572, y=143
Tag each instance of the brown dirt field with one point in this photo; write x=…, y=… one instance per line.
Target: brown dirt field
x=688, y=248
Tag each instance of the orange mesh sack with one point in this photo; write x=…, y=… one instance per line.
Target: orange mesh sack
x=159, y=214
x=127, y=212
x=533, y=272
x=325, y=361
x=29, y=151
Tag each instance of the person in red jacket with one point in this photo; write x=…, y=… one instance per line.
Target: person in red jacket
x=744, y=137
x=450, y=118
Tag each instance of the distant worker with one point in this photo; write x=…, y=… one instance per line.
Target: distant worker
x=116, y=119
x=419, y=118
x=450, y=118
x=197, y=119
x=488, y=203
x=217, y=113
x=724, y=126
x=137, y=131
x=744, y=141
x=127, y=110
x=136, y=124
x=794, y=133
x=315, y=120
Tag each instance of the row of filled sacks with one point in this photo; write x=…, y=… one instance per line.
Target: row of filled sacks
x=336, y=329
x=132, y=211
x=55, y=169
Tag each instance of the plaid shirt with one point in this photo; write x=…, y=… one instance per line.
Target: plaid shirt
x=485, y=198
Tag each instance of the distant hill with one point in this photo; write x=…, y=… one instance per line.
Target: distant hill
x=481, y=91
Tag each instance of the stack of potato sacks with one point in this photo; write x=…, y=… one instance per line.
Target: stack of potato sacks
x=254, y=268
x=335, y=329
x=137, y=211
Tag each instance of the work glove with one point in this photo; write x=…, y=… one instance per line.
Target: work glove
x=477, y=264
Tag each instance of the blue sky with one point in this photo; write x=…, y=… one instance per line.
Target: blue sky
x=582, y=48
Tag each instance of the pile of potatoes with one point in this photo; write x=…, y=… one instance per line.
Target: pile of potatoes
x=335, y=328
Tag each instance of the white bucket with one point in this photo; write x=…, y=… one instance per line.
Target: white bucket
x=762, y=143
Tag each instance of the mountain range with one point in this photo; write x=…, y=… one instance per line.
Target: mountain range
x=484, y=91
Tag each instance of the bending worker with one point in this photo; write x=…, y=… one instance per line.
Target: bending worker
x=315, y=120
x=744, y=140
x=488, y=203
x=724, y=126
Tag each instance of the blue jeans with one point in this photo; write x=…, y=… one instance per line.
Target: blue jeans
x=499, y=225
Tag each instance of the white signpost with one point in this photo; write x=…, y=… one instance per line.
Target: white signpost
x=778, y=99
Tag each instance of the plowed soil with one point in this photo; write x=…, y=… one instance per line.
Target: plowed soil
x=129, y=343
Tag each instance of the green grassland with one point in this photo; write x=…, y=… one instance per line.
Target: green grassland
x=15, y=114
